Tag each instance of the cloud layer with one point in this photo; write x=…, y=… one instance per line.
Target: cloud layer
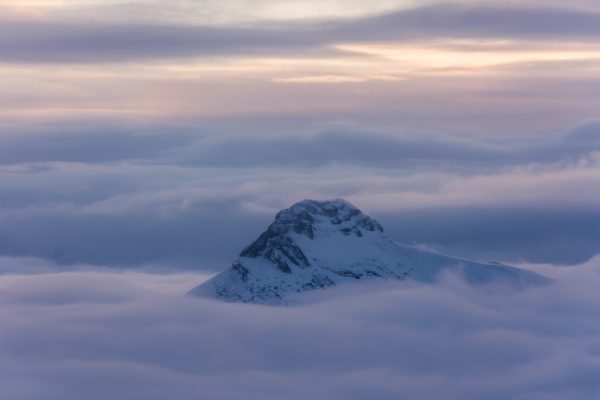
x=43, y=40
x=99, y=335
x=126, y=195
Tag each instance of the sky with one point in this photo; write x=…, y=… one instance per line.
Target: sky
x=172, y=132
x=144, y=143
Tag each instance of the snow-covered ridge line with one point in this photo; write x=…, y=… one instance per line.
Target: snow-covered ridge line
x=318, y=244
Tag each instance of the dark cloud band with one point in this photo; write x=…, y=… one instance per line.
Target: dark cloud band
x=64, y=42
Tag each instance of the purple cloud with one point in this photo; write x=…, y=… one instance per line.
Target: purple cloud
x=390, y=340
x=61, y=41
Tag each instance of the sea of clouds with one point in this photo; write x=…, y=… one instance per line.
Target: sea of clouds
x=100, y=334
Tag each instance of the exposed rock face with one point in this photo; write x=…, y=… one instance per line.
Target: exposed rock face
x=276, y=246
x=317, y=244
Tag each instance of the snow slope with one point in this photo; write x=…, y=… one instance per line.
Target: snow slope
x=318, y=244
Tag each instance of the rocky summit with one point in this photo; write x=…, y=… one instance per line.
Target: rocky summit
x=319, y=244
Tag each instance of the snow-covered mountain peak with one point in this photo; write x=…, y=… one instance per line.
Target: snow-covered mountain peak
x=317, y=244
x=313, y=218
